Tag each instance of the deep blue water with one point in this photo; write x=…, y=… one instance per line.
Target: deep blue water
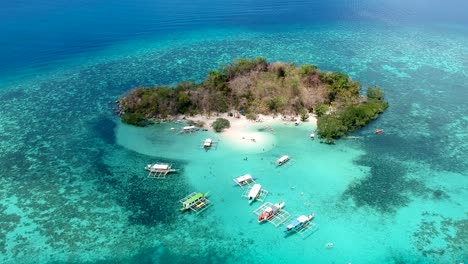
x=72, y=184
x=34, y=34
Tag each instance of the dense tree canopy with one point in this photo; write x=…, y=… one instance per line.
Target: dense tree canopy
x=220, y=123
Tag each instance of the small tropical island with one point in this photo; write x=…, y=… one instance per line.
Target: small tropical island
x=254, y=87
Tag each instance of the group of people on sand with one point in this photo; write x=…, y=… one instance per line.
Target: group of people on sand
x=252, y=139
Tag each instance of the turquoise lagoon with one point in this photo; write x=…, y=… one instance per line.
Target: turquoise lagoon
x=74, y=189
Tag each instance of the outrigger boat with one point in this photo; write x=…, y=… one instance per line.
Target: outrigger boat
x=208, y=143
x=299, y=223
x=244, y=179
x=270, y=212
x=282, y=160
x=159, y=168
x=189, y=129
x=254, y=192
x=195, y=201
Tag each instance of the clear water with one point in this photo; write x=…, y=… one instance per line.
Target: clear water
x=73, y=188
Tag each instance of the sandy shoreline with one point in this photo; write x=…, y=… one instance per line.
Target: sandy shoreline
x=240, y=134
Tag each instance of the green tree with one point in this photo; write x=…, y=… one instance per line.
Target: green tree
x=241, y=66
x=136, y=119
x=330, y=127
x=321, y=109
x=304, y=114
x=307, y=69
x=183, y=102
x=217, y=81
x=275, y=104
x=220, y=123
x=375, y=93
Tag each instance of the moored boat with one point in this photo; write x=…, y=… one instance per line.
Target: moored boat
x=300, y=222
x=282, y=160
x=254, y=191
x=244, y=179
x=189, y=129
x=159, y=167
x=208, y=143
x=378, y=131
x=194, y=200
x=270, y=212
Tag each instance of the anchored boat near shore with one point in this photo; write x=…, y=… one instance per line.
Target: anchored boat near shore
x=196, y=202
x=273, y=213
x=299, y=222
x=282, y=160
x=255, y=193
x=302, y=225
x=207, y=143
x=244, y=180
x=270, y=211
x=159, y=170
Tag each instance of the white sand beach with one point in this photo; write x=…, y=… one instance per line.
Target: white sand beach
x=244, y=134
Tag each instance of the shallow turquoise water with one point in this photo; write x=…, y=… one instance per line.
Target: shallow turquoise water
x=73, y=187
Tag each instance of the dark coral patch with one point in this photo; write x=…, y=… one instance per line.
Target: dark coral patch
x=386, y=188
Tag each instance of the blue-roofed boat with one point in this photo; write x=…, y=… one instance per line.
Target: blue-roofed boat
x=299, y=223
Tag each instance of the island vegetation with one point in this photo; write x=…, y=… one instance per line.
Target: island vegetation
x=220, y=123
x=254, y=86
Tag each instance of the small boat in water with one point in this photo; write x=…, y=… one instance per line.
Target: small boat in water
x=300, y=222
x=254, y=192
x=282, y=160
x=378, y=131
x=195, y=201
x=270, y=212
x=244, y=179
x=208, y=143
x=159, y=168
x=189, y=129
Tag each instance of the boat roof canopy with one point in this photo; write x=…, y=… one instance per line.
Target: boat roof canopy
x=244, y=177
x=302, y=218
x=294, y=223
x=189, y=127
x=283, y=158
x=255, y=189
x=160, y=166
x=193, y=198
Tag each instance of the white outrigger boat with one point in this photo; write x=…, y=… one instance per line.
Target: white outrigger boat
x=189, y=129
x=208, y=143
x=270, y=211
x=244, y=180
x=159, y=170
x=300, y=223
x=282, y=160
x=254, y=192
